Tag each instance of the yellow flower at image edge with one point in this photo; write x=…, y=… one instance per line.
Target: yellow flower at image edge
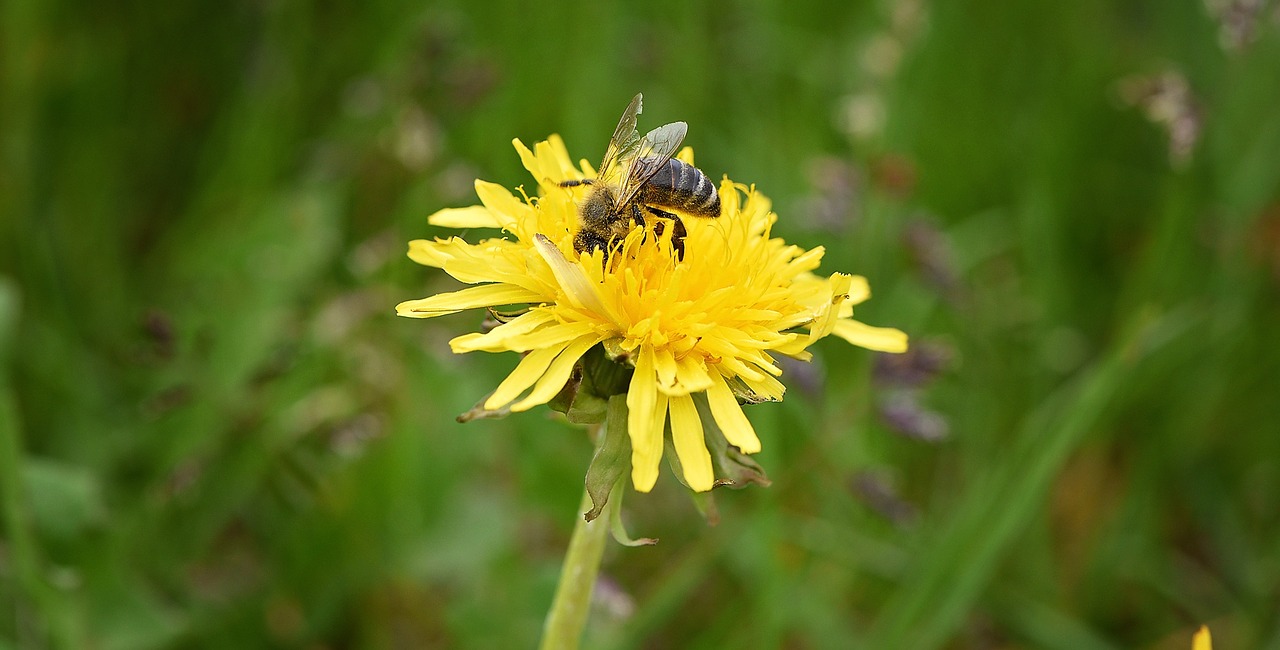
x=1202, y=640
x=707, y=323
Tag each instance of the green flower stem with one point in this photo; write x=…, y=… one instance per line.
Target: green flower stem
x=572, y=604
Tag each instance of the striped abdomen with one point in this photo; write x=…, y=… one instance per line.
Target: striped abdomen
x=680, y=186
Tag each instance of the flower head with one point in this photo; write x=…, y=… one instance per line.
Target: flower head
x=709, y=323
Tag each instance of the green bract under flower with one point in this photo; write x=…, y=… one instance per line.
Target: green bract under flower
x=710, y=323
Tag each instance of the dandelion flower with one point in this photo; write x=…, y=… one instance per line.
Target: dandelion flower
x=707, y=326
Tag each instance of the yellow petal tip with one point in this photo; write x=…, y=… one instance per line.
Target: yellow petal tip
x=1202, y=640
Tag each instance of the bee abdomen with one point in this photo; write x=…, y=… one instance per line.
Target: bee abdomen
x=681, y=186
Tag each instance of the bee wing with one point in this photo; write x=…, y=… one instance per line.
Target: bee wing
x=657, y=147
x=623, y=145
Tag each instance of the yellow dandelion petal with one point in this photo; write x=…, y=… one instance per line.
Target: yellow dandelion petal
x=427, y=253
x=859, y=292
x=488, y=295
x=559, y=155
x=641, y=395
x=765, y=386
x=737, y=368
x=647, y=459
x=499, y=261
x=505, y=208
x=559, y=152
x=475, y=216
x=665, y=364
x=438, y=252
x=807, y=261
x=495, y=340
x=765, y=363
x=539, y=338
x=686, y=433
x=730, y=197
x=557, y=373
x=547, y=175
x=881, y=339
x=554, y=167
x=1202, y=640
x=692, y=375
x=548, y=163
x=578, y=289
x=474, y=341
x=528, y=372
x=548, y=335
x=795, y=347
x=830, y=312
x=531, y=162
x=728, y=414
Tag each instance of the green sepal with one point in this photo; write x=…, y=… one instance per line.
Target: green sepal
x=612, y=461
x=595, y=378
x=616, y=526
x=733, y=469
x=613, y=350
x=578, y=402
x=607, y=376
x=479, y=412
x=587, y=410
x=705, y=502
x=744, y=393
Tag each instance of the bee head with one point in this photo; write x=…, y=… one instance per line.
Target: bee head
x=600, y=208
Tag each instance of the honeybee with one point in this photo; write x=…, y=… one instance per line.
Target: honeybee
x=638, y=179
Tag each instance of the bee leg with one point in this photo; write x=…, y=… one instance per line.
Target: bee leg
x=586, y=242
x=678, y=230
x=574, y=182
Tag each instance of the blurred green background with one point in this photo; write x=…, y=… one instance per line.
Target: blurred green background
x=215, y=433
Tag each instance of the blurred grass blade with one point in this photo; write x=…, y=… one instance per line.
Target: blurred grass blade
x=932, y=602
x=47, y=620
